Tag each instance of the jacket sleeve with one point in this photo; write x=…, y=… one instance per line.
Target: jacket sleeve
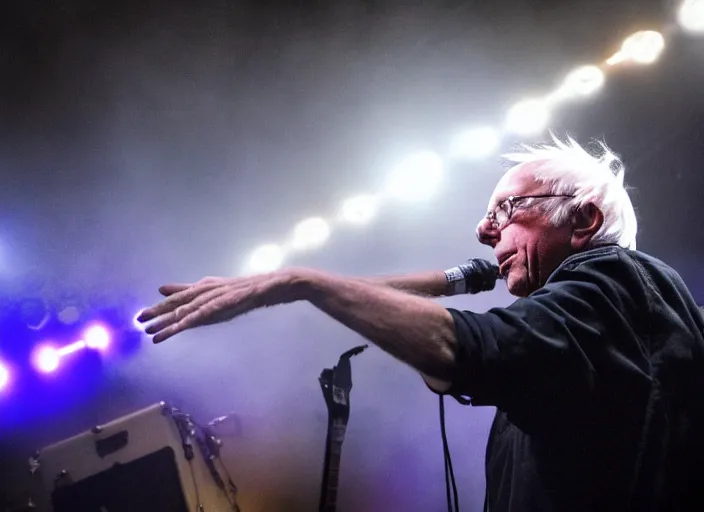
x=558, y=351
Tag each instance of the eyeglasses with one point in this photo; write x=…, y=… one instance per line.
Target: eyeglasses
x=503, y=211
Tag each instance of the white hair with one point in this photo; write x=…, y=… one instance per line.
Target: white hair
x=598, y=179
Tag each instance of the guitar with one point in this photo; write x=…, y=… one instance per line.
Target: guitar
x=336, y=384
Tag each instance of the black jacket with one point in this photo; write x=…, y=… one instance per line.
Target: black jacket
x=598, y=380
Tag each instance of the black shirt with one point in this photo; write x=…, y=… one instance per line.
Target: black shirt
x=598, y=380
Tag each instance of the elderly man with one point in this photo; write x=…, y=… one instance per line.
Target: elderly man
x=596, y=370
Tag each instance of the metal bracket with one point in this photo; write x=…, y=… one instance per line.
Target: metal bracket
x=34, y=463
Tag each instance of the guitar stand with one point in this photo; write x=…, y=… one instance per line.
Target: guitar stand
x=336, y=384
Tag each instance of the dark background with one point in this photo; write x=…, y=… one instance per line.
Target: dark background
x=149, y=142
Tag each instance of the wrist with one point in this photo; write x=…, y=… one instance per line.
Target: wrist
x=456, y=283
x=296, y=283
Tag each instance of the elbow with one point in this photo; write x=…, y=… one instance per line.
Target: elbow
x=447, y=360
x=442, y=363
x=439, y=376
x=447, y=343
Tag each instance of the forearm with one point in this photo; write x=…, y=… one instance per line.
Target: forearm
x=429, y=284
x=413, y=329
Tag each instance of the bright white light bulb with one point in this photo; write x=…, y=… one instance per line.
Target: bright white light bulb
x=97, y=337
x=690, y=15
x=4, y=376
x=643, y=47
x=45, y=359
x=528, y=117
x=360, y=209
x=265, y=258
x=310, y=233
x=583, y=81
x=476, y=143
x=416, y=178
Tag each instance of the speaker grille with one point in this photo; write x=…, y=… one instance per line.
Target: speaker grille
x=143, y=485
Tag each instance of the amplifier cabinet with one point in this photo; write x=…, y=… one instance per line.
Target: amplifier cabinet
x=155, y=459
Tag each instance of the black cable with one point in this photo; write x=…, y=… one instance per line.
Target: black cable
x=447, y=484
x=449, y=460
x=448, y=463
x=447, y=480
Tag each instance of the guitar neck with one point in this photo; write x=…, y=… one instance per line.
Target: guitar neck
x=332, y=478
x=332, y=466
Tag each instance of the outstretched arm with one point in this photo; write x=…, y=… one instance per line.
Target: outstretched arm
x=427, y=284
x=413, y=329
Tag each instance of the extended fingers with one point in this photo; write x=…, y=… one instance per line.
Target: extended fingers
x=216, y=306
x=174, y=301
x=179, y=313
x=210, y=300
x=169, y=289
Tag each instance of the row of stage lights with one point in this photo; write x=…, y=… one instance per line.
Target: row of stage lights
x=417, y=177
x=47, y=357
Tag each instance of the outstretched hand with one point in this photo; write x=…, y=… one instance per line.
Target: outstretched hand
x=213, y=300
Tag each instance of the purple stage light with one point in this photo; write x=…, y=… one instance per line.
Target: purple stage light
x=4, y=376
x=45, y=358
x=97, y=337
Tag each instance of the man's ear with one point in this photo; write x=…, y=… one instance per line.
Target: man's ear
x=586, y=221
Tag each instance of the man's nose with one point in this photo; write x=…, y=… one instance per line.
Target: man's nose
x=487, y=233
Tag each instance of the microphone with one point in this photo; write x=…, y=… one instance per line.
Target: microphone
x=474, y=276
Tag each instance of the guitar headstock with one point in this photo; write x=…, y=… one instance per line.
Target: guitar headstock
x=336, y=384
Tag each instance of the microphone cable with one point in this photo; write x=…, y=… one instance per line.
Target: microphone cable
x=474, y=276
x=453, y=504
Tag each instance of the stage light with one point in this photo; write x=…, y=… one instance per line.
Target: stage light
x=96, y=337
x=690, y=15
x=528, y=117
x=643, y=47
x=45, y=358
x=265, y=258
x=416, y=178
x=310, y=233
x=476, y=143
x=583, y=81
x=360, y=209
x=4, y=376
